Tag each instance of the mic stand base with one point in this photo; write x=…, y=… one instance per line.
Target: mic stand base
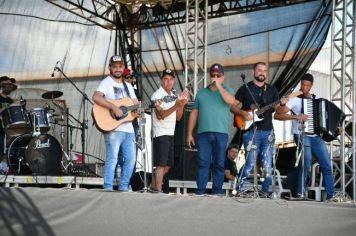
x=254, y=191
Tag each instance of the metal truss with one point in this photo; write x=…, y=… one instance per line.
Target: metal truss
x=157, y=13
x=100, y=12
x=342, y=90
x=196, y=45
x=176, y=14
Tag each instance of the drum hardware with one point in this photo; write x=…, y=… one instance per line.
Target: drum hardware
x=52, y=94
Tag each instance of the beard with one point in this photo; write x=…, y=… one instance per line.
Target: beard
x=117, y=75
x=260, y=78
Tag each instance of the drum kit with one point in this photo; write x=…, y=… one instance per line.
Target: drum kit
x=29, y=147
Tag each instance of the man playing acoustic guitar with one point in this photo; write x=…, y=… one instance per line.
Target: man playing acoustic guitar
x=258, y=94
x=121, y=137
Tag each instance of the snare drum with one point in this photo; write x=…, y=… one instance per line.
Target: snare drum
x=40, y=120
x=15, y=120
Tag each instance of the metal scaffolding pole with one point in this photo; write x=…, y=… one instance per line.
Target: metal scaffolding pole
x=196, y=28
x=342, y=90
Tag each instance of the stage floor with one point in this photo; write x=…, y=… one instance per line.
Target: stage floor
x=70, y=211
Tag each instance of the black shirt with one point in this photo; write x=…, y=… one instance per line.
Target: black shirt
x=231, y=166
x=264, y=95
x=4, y=103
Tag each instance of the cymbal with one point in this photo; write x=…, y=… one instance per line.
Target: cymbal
x=8, y=87
x=52, y=94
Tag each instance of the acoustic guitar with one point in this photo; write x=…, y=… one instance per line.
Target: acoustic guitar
x=256, y=114
x=105, y=120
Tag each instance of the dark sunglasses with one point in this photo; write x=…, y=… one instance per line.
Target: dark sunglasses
x=215, y=75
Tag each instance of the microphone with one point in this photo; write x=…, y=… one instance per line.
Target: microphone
x=54, y=69
x=212, y=83
x=243, y=76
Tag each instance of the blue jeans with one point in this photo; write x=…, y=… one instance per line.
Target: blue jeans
x=137, y=131
x=115, y=141
x=314, y=145
x=211, y=146
x=264, y=150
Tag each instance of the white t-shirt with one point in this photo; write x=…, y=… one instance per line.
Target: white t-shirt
x=295, y=105
x=168, y=124
x=114, y=90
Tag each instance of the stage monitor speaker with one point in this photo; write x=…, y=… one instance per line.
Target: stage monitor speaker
x=184, y=158
x=189, y=161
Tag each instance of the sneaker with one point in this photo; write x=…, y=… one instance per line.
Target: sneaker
x=108, y=190
x=124, y=190
x=333, y=199
x=200, y=194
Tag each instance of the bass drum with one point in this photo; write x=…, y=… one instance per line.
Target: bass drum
x=40, y=155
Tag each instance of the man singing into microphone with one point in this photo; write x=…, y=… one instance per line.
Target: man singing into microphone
x=257, y=94
x=211, y=109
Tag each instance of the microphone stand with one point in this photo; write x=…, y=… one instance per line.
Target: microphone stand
x=271, y=141
x=142, y=145
x=300, y=155
x=251, y=146
x=83, y=124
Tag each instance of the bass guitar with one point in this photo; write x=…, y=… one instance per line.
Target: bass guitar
x=105, y=120
x=256, y=114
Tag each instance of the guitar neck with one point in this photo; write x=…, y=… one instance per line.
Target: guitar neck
x=136, y=106
x=265, y=108
x=146, y=104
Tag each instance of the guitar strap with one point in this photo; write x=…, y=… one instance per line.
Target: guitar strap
x=126, y=89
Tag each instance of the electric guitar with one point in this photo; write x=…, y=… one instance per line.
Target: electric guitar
x=105, y=120
x=246, y=124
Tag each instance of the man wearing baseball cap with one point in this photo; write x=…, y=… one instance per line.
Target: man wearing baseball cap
x=122, y=138
x=211, y=110
x=163, y=126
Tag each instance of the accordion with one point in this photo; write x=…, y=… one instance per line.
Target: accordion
x=324, y=118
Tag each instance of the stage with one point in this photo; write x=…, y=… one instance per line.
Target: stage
x=71, y=211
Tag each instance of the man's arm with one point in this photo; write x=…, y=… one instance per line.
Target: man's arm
x=228, y=175
x=238, y=111
x=282, y=114
x=99, y=98
x=227, y=97
x=191, y=125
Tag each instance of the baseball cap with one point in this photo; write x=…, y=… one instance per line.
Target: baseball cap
x=217, y=68
x=116, y=59
x=167, y=72
x=5, y=78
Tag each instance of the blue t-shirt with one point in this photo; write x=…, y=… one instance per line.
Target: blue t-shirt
x=213, y=111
